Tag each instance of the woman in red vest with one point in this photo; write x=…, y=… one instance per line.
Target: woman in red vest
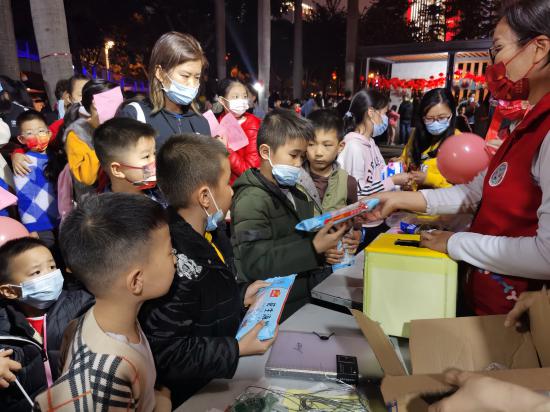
x=233, y=95
x=508, y=246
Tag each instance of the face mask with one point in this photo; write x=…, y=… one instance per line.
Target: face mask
x=238, y=106
x=42, y=291
x=438, y=127
x=380, y=128
x=61, y=108
x=36, y=143
x=285, y=175
x=180, y=93
x=214, y=218
x=501, y=87
x=149, y=180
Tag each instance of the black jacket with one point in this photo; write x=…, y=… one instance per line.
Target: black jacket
x=17, y=334
x=167, y=123
x=406, y=111
x=192, y=329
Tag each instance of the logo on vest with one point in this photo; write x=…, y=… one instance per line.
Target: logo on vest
x=498, y=175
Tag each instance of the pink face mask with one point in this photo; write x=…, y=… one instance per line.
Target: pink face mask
x=149, y=180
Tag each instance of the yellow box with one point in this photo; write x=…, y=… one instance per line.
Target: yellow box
x=403, y=283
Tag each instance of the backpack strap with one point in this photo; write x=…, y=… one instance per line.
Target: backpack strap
x=140, y=114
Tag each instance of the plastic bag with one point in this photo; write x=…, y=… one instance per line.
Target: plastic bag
x=338, y=216
x=348, y=259
x=268, y=307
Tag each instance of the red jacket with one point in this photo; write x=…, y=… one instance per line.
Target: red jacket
x=247, y=157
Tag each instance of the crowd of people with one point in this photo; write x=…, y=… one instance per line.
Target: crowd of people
x=148, y=238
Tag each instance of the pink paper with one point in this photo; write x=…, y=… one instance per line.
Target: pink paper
x=213, y=123
x=107, y=103
x=234, y=133
x=6, y=198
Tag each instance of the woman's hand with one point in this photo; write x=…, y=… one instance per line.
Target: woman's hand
x=19, y=163
x=436, y=240
x=252, y=291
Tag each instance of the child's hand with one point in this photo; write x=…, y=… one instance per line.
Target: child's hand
x=222, y=139
x=521, y=307
x=251, y=345
x=418, y=177
x=334, y=256
x=19, y=163
x=400, y=179
x=351, y=241
x=327, y=238
x=436, y=240
x=7, y=367
x=252, y=291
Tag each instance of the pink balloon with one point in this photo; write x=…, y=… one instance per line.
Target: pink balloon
x=462, y=157
x=11, y=229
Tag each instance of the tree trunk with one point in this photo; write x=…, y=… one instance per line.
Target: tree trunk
x=264, y=50
x=9, y=63
x=50, y=30
x=351, y=43
x=297, y=68
x=220, y=39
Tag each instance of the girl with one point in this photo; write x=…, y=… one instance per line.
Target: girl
x=434, y=123
x=175, y=69
x=508, y=245
x=77, y=137
x=234, y=98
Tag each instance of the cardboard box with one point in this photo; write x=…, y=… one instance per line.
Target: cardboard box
x=407, y=282
x=471, y=344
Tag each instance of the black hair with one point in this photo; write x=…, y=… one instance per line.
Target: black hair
x=13, y=248
x=347, y=94
x=119, y=135
x=226, y=84
x=29, y=115
x=184, y=163
x=527, y=18
x=394, y=108
x=422, y=139
x=360, y=104
x=61, y=87
x=105, y=234
x=327, y=119
x=282, y=125
x=13, y=91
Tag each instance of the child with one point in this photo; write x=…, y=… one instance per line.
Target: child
x=192, y=329
x=267, y=206
x=34, y=311
x=37, y=198
x=326, y=184
x=126, y=151
x=119, y=246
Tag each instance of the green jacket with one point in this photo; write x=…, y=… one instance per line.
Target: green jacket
x=264, y=240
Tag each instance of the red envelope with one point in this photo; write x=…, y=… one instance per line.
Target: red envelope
x=107, y=103
x=236, y=138
x=6, y=198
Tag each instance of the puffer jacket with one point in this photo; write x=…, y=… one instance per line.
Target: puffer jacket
x=192, y=328
x=264, y=237
x=16, y=333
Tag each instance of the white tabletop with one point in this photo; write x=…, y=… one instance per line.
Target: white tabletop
x=343, y=287
x=221, y=393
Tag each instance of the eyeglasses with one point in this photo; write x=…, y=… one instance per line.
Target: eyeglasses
x=39, y=133
x=493, y=53
x=430, y=120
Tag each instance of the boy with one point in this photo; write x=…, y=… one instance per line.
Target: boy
x=192, y=329
x=34, y=312
x=126, y=151
x=324, y=182
x=119, y=246
x=267, y=206
x=36, y=194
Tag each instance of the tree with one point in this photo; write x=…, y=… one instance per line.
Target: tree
x=9, y=63
x=476, y=18
x=50, y=28
x=264, y=49
x=220, y=38
x=298, y=61
x=384, y=23
x=351, y=42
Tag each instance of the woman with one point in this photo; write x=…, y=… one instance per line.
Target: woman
x=175, y=70
x=434, y=123
x=234, y=99
x=508, y=246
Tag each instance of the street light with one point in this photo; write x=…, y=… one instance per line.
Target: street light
x=258, y=87
x=109, y=44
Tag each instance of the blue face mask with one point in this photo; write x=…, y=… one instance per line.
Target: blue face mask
x=181, y=94
x=61, y=108
x=438, y=127
x=42, y=291
x=285, y=175
x=215, y=218
x=379, y=129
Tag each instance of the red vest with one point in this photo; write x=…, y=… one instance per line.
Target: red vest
x=509, y=207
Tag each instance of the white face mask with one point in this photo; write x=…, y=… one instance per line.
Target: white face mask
x=238, y=106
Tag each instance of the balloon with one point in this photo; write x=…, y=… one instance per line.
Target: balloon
x=11, y=229
x=461, y=157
